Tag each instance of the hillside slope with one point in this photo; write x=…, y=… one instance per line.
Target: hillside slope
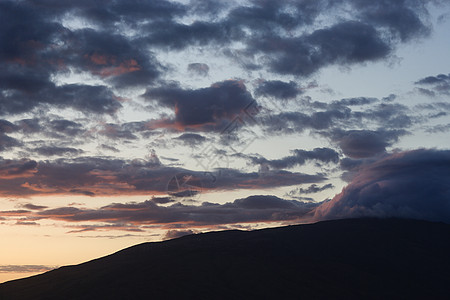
x=343, y=259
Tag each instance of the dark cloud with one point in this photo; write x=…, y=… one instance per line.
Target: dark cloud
x=441, y=78
x=314, y=188
x=294, y=121
x=106, y=176
x=389, y=98
x=17, y=168
x=371, y=35
x=191, y=139
x=278, y=89
x=31, y=206
x=119, y=42
x=30, y=126
x=184, y=194
x=109, y=148
x=346, y=43
x=57, y=151
x=162, y=200
x=439, y=84
x=27, y=223
x=199, y=69
x=115, y=132
x=113, y=57
x=358, y=101
x=299, y=157
x=7, y=142
x=208, y=7
x=206, y=106
x=411, y=184
x=176, y=36
x=404, y=19
x=365, y=143
x=7, y=127
x=260, y=208
x=173, y=234
x=86, y=98
x=65, y=127
x=389, y=115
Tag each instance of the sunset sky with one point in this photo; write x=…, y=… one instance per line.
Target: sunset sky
x=129, y=121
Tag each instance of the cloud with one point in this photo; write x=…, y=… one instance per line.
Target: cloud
x=31, y=206
x=412, y=184
x=365, y=143
x=191, y=139
x=298, y=157
x=57, y=151
x=106, y=176
x=25, y=268
x=23, y=168
x=118, y=45
x=7, y=142
x=173, y=234
x=314, y=188
x=207, y=106
x=258, y=208
x=27, y=223
x=278, y=89
x=199, y=69
x=439, y=84
x=402, y=19
x=115, y=132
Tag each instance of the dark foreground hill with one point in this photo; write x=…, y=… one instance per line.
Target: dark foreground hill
x=345, y=259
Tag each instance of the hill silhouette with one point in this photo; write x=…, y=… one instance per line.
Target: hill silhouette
x=341, y=259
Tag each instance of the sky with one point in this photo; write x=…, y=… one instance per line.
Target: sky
x=124, y=122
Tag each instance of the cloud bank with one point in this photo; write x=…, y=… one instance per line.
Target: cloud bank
x=412, y=184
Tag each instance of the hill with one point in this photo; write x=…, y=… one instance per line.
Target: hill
x=342, y=259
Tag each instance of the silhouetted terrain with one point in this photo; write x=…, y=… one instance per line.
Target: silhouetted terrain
x=344, y=259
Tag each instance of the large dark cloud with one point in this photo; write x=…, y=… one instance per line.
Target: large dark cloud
x=345, y=43
x=207, y=106
x=371, y=35
x=412, y=184
x=120, y=41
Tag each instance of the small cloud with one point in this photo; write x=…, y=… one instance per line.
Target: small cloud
x=173, y=234
x=34, y=207
x=199, y=69
x=25, y=268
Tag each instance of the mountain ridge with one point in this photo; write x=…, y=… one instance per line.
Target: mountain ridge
x=340, y=259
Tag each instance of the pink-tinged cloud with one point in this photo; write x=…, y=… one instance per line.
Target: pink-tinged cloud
x=107, y=65
x=413, y=184
x=93, y=176
x=135, y=216
x=11, y=169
